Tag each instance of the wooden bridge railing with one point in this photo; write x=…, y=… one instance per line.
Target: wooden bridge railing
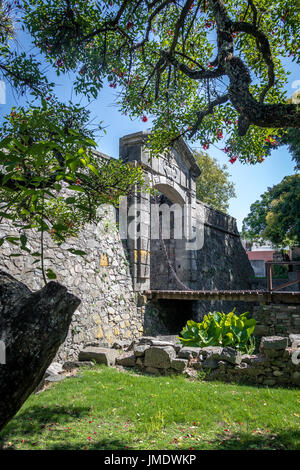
x=269, y=269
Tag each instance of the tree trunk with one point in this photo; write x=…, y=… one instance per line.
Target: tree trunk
x=32, y=327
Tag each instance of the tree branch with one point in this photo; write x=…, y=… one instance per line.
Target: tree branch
x=209, y=110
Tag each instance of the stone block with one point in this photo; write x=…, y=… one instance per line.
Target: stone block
x=140, y=349
x=187, y=352
x=210, y=363
x=152, y=371
x=54, y=369
x=159, y=357
x=126, y=361
x=71, y=365
x=55, y=378
x=294, y=340
x=212, y=351
x=231, y=355
x=100, y=355
x=274, y=343
x=140, y=361
x=179, y=364
x=146, y=340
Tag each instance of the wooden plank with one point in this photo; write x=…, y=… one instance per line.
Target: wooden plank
x=286, y=285
x=247, y=296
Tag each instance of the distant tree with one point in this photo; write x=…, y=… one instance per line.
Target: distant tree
x=213, y=186
x=292, y=140
x=276, y=216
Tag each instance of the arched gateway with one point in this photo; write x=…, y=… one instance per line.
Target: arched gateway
x=161, y=250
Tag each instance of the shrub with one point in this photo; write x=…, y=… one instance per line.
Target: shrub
x=220, y=329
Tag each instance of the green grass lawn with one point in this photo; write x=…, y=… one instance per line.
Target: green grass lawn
x=104, y=408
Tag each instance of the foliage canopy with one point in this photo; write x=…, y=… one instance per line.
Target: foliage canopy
x=276, y=215
x=204, y=69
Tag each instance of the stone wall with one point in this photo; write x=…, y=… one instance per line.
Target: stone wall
x=277, y=319
x=277, y=363
x=109, y=308
x=222, y=263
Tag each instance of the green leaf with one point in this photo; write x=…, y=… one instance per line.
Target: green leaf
x=50, y=274
x=76, y=252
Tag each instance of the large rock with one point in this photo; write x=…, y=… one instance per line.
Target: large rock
x=105, y=356
x=210, y=363
x=54, y=369
x=212, y=351
x=179, y=364
x=140, y=350
x=231, y=355
x=159, y=341
x=32, y=326
x=187, y=352
x=126, y=360
x=159, y=357
x=294, y=340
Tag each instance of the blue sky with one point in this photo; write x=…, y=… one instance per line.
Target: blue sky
x=250, y=180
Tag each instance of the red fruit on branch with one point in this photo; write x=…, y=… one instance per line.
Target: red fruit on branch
x=144, y=118
x=129, y=25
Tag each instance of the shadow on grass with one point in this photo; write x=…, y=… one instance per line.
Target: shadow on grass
x=46, y=415
x=281, y=440
x=31, y=423
x=103, y=444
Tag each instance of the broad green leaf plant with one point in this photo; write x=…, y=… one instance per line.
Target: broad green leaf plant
x=220, y=329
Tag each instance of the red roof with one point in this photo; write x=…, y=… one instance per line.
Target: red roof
x=260, y=255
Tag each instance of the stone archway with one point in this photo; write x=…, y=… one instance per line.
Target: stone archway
x=169, y=261
x=173, y=174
